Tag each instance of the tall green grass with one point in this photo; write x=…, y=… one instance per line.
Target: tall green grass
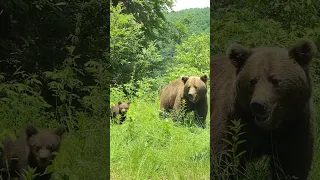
x=258, y=168
x=147, y=147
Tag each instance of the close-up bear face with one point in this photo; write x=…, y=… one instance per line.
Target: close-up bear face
x=43, y=145
x=123, y=107
x=195, y=87
x=272, y=81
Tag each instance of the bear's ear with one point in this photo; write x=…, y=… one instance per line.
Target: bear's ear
x=303, y=51
x=119, y=102
x=184, y=79
x=128, y=103
x=60, y=130
x=31, y=130
x=204, y=78
x=238, y=54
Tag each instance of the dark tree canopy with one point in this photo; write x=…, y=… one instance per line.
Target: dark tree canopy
x=38, y=36
x=150, y=13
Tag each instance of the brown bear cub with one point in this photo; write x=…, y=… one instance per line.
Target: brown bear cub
x=35, y=149
x=192, y=90
x=120, y=109
x=269, y=89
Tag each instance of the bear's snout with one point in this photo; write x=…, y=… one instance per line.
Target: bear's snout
x=43, y=159
x=190, y=96
x=44, y=154
x=258, y=108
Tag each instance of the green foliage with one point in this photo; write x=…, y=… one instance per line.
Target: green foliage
x=30, y=174
x=195, y=52
x=126, y=45
x=228, y=162
x=149, y=63
x=232, y=28
x=195, y=19
x=296, y=13
x=40, y=30
x=62, y=84
x=16, y=96
x=99, y=93
x=84, y=153
x=148, y=13
x=235, y=132
x=137, y=55
x=181, y=25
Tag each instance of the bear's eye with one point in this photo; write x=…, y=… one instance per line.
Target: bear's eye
x=274, y=80
x=253, y=81
x=38, y=148
x=195, y=87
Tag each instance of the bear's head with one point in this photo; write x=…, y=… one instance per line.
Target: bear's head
x=43, y=145
x=272, y=82
x=195, y=88
x=123, y=107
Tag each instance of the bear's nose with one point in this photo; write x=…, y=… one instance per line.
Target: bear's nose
x=43, y=159
x=190, y=96
x=258, y=108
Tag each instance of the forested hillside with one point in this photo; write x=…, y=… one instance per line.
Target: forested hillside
x=195, y=19
x=146, y=146
x=188, y=22
x=276, y=23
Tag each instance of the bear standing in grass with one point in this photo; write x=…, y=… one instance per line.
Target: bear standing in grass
x=120, y=109
x=269, y=89
x=193, y=90
x=34, y=149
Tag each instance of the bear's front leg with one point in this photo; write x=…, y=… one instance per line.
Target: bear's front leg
x=293, y=161
x=200, y=114
x=178, y=109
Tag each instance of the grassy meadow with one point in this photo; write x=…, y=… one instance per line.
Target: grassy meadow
x=149, y=147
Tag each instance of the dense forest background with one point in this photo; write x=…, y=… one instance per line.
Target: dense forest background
x=53, y=70
x=258, y=23
x=145, y=56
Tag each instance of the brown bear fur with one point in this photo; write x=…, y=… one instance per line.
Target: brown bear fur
x=193, y=90
x=35, y=149
x=120, y=109
x=269, y=89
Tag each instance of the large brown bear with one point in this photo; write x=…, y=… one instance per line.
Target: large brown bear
x=269, y=89
x=35, y=149
x=193, y=90
x=120, y=109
